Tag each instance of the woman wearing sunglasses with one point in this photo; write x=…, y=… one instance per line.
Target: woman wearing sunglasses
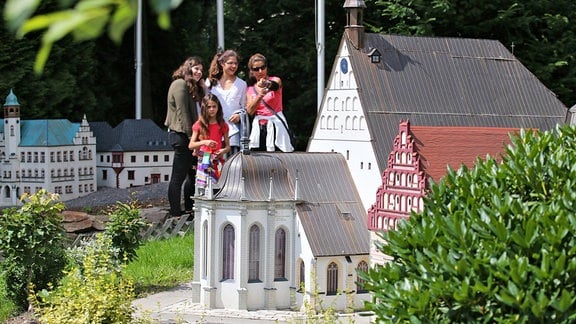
x=270, y=130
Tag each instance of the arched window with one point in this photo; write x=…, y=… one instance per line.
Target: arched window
x=205, y=249
x=254, y=254
x=302, y=277
x=332, y=279
x=228, y=253
x=362, y=266
x=280, y=255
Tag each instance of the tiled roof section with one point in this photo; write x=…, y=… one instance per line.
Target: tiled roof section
x=440, y=147
x=131, y=135
x=47, y=132
x=328, y=205
x=434, y=81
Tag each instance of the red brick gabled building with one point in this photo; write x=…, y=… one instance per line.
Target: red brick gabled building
x=421, y=153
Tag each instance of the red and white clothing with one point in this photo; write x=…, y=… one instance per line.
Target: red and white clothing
x=274, y=126
x=208, y=165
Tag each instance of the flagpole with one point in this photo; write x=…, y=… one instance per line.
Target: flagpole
x=220, y=22
x=138, y=64
x=320, y=19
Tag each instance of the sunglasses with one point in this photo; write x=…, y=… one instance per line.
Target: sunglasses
x=258, y=68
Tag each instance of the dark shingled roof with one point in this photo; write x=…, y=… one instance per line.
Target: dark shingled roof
x=328, y=204
x=438, y=81
x=131, y=135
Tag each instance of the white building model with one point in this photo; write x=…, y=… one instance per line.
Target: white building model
x=52, y=154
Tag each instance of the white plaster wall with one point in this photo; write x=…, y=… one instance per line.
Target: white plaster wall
x=341, y=127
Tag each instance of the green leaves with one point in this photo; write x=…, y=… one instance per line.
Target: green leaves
x=494, y=243
x=32, y=243
x=87, y=20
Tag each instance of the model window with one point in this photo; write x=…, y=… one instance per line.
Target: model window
x=302, y=277
x=332, y=279
x=228, y=253
x=205, y=245
x=280, y=255
x=362, y=266
x=254, y=255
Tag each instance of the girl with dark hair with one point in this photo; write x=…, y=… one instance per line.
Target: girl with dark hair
x=184, y=95
x=230, y=90
x=208, y=133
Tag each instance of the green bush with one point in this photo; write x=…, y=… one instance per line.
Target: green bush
x=94, y=292
x=494, y=243
x=32, y=241
x=125, y=229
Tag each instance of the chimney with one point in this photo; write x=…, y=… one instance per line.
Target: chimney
x=354, y=22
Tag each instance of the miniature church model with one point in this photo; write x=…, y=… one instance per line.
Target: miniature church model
x=284, y=230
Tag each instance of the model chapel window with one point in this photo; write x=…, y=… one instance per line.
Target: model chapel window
x=301, y=277
x=363, y=267
x=332, y=279
x=205, y=249
x=254, y=254
x=280, y=255
x=228, y=252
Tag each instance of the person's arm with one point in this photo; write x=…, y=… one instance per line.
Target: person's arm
x=253, y=96
x=235, y=117
x=182, y=110
x=196, y=143
x=221, y=152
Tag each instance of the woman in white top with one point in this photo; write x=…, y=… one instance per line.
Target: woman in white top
x=231, y=92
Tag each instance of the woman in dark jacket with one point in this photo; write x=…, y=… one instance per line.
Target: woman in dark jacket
x=184, y=95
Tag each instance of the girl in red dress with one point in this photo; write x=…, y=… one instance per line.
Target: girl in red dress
x=210, y=142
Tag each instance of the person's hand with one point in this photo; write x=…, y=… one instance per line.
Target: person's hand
x=210, y=143
x=261, y=87
x=234, y=119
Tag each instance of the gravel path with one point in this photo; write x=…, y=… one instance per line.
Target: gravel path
x=149, y=195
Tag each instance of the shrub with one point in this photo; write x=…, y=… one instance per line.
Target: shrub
x=32, y=241
x=125, y=229
x=494, y=243
x=94, y=292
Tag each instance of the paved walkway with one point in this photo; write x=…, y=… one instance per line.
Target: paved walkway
x=174, y=306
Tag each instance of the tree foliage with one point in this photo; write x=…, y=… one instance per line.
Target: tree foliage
x=494, y=243
x=96, y=76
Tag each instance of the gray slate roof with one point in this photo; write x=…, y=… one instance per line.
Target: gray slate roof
x=328, y=204
x=437, y=81
x=131, y=135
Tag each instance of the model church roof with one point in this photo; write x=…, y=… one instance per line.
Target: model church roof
x=320, y=184
x=440, y=81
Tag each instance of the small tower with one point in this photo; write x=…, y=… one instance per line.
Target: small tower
x=354, y=22
x=12, y=125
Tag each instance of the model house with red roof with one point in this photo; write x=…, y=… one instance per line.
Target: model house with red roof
x=378, y=80
x=423, y=153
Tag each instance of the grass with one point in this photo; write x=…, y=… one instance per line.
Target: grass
x=161, y=265
x=7, y=308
